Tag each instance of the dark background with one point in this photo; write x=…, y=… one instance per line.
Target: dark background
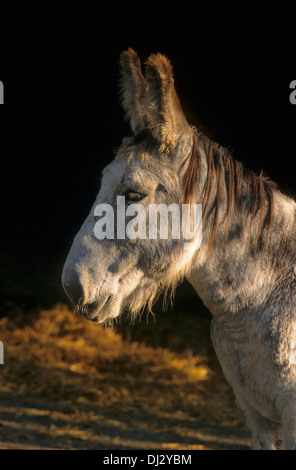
x=62, y=119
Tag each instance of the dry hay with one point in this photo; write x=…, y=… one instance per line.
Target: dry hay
x=84, y=370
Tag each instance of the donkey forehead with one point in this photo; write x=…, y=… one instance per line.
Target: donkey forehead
x=113, y=174
x=122, y=172
x=134, y=171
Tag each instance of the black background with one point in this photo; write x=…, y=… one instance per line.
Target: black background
x=62, y=120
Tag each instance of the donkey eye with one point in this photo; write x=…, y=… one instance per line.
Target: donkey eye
x=132, y=196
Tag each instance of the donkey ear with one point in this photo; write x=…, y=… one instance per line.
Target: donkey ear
x=133, y=87
x=164, y=113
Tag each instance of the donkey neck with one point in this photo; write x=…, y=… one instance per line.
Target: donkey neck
x=242, y=255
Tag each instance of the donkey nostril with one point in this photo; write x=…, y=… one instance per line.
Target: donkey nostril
x=73, y=289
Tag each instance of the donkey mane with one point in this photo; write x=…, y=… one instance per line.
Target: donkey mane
x=224, y=171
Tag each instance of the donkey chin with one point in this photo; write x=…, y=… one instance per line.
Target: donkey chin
x=101, y=310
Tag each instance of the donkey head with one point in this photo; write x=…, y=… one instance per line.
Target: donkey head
x=105, y=274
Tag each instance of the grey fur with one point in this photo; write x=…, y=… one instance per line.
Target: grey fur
x=249, y=290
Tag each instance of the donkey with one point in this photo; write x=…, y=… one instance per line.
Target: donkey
x=244, y=271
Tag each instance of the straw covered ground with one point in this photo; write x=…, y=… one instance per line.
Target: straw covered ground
x=67, y=383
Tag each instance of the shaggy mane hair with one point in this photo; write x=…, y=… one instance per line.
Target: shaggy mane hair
x=223, y=170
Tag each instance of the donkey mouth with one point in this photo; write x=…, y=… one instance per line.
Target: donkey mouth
x=100, y=310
